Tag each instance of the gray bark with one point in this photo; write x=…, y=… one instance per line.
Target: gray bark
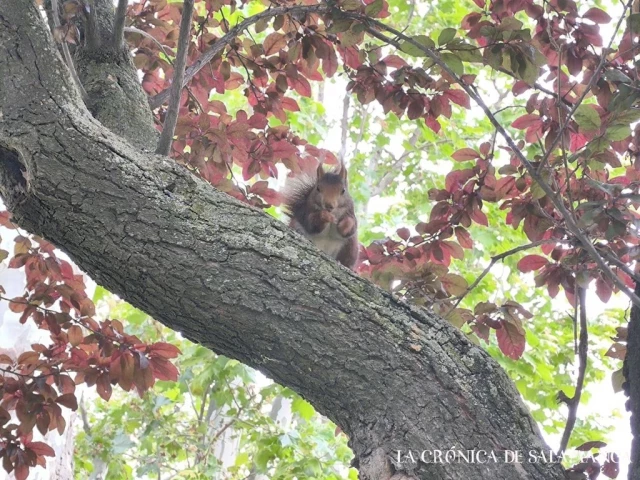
x=243, y=284
x=631, y=386
x=115, y=97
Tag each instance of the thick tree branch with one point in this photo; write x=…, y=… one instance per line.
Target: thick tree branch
x=171, y=117
x=225, y=40
x=373, y=27
x=236, y=280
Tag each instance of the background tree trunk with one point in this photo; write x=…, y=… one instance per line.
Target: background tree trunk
x=241, y=283
x=632, y=386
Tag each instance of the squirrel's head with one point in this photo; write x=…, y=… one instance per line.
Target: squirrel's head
x=331, y=188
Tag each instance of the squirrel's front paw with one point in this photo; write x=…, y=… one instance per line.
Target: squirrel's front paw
x=346, y=227
x=327, y=217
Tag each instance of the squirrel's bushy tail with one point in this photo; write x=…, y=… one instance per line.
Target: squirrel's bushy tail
x=296, y=190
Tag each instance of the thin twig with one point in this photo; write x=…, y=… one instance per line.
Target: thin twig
x=171, y=118
x=83, y=416
x=583, y=346
x=118, y=29
x=66, y=52
x=364, y=118
x=168, y=57
x=495, y=259
x=388, y=177
x=344, y=127
x=150, y=37
x=572, y=226
x=166, y=53
x=225, y=40
x=412, y=11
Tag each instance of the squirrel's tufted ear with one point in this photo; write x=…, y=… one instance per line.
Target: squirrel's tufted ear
x=343, y=173
x=320, y=172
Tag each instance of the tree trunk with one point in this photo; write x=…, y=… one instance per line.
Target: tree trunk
x=243, y=284
x=632, y=386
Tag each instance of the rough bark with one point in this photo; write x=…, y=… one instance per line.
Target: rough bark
x=243, y=284
x=115, y=97
x=632, y=386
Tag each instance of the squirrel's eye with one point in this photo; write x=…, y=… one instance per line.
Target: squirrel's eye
x=343, y=190
x=318, y=188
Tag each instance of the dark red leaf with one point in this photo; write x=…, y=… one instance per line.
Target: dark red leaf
x=41, y=448
x=585, y=447
x=165, y=350
x=68, y=400
x=511, y=340
x=597, y=16
x=465, y=154
x=531, y=263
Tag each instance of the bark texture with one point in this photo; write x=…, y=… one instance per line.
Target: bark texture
x=245, y=285
x=115, y=97
x=632, y=385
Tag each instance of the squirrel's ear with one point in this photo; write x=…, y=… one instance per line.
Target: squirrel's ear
x=320, y=172
x=343, y=173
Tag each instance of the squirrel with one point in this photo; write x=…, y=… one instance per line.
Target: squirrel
x=321, y=209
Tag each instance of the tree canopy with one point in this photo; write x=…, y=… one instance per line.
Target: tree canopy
x=492, y=149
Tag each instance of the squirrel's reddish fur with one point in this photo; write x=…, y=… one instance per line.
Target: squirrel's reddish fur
x=321, y=209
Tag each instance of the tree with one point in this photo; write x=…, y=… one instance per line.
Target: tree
x=79, y=173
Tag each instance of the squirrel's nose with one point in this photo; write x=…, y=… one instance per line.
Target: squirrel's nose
x=328, y=207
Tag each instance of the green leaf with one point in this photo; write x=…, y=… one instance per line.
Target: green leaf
x=536, y=191
x=617, y=377
x=618, y=132
x=587, y=117
x=614, y=75
x=453, y=62
x=340, y=25
x=464, y=51
x=350, y=4
x=623, y=99
x=374, y=8
x=634, y=22
x=446, y=36
x=302, y=408
x=528, y=71
x=415, y=51
x=628, y=116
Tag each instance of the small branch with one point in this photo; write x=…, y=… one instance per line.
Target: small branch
x=92, y=36
x=66, y=52
x=152, y=38
x=344, y=126
x=495, y=259
x=388, y=177
x=611, y=258
x=364, y=117
x=118, y=29
x=83, y=416
x=217, y=46
x=412, y=11
x=171, y=118
x=574, y=402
